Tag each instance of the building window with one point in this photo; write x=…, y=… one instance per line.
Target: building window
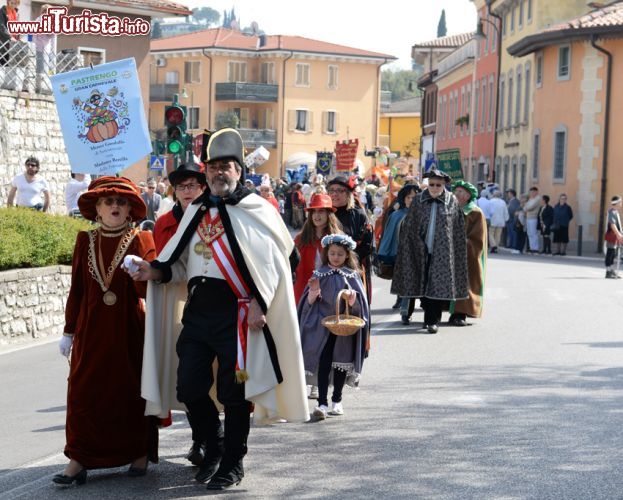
x=521, y=6
x=330, y=122
x=485, y=42
x=506, y=177
x=243, y=117
x=491, y=102
x=236, y=71
x=560, y=152
x=513, y=19
x=483, y=118
x=504, y=23
x=564, y=62
x=509, y=104
x=539, y=70
x=523, y=175
x=302, y=75
x=193, y=117
x=302, y=120
x=501, y=101
x=172, y=77
x=518, y=101
x=440, y=116
x=456, y=111
x=91, y=55
x=529, y=10
x=462, y=108
x=332, y=83
x=526, y=105
x=536, y=151
x=514, y=173
x=494, y=36
x=268, y=117
x=476, y=106
x=267, y=73
x=192, y=72
x=498, y=171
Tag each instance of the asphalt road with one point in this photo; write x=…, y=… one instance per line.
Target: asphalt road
x=526, y=403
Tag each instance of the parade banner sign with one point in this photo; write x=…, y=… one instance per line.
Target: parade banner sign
x=102, y=117
x=449, y=161
x=323, y=162
x=296, y=174
x=345, y=155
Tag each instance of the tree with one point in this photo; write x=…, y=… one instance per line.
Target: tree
x=441, y=27
x=401, y=83
x=206, y=15
x=156, y=31
x=226, y=20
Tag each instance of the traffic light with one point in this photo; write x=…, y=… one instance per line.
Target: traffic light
x=175, y=122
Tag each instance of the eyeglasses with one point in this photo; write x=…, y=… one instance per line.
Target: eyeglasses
x=120, y=202
x=151, y=187
x=435, y=185
x=336, y=191
x=186, y=187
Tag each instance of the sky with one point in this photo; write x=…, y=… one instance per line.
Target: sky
x=386, y=26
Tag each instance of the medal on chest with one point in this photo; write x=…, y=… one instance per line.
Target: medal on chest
x=209, y=230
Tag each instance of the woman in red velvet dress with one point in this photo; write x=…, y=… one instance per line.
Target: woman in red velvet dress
x=320, y=222
x=104, y=331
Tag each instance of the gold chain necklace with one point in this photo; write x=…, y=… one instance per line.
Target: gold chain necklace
x=109, y=297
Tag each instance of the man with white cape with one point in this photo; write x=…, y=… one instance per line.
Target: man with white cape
x=232, y=250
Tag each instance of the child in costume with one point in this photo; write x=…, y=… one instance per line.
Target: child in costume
x=327, y=356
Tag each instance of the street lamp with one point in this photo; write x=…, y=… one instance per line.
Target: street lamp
x=480, y=33
x=184, y=95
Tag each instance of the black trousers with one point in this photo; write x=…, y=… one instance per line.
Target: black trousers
x=324, y=372
x=610, y=253
x=209, y=332
x=432, y=310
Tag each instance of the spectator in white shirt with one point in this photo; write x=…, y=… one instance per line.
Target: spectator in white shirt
x=484, y=205
x=499, y=217
x=77, y=185
x=32, y=190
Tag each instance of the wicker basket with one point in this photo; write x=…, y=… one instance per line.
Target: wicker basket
x=342, y=324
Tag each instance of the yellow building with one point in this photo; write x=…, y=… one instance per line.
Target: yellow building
x=400, y=130
x=519, y=19
x=289, y=94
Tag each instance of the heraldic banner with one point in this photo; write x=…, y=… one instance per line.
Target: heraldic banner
x=323, y=162
x=102, y=117
x=345, y=155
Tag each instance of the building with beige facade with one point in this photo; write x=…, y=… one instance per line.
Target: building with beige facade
x=519, y=19
x=289, y=94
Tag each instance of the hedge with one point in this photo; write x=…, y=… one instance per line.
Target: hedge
x=29, y=238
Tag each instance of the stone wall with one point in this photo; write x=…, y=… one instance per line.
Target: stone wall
x=29, y=126
x=32, y=303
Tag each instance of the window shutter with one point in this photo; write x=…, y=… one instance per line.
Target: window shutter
x=325, y=122
x=291, y=120
x=310, y=122
x=243, y=76
x=269, y=119
x=187, y=72
x=244, y=117
x=337, y=122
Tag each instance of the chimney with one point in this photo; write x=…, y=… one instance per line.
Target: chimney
x=261, y=41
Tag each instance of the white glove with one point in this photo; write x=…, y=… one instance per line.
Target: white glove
x=65, y=345
x=130, y=263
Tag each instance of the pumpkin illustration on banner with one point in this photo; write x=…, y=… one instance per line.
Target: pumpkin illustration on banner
x=103, y=116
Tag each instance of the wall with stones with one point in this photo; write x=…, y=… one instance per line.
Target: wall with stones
x=29, y=126
x=32, y=303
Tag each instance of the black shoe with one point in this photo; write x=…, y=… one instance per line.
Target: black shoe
x=397, y=303
x=610, y=275
x=563, y=253
x=229, y=473
x=432, y=328
x=207, y=469
x=196, y=453
x=405, y=319
x=80, y=478
x=458, y=322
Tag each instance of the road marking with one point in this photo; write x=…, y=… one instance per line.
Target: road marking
x=29, y=345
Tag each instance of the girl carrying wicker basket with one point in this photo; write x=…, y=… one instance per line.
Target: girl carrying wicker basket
x=331, y=358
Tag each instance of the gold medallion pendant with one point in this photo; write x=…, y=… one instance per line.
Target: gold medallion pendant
x=199, y=248
x=110, y=299
x=207, y=253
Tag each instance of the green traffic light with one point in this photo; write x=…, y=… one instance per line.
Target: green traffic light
x=175, y=147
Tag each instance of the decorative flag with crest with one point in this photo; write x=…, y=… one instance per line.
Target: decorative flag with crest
x=323, y=162
x=102, y=117
x=346, y=154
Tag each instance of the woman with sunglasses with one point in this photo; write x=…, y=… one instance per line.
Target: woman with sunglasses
x=431, y=263
x=104, y=330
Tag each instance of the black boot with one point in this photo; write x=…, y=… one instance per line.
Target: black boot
x=208, y=430
x=397, y=303
x=231, y=471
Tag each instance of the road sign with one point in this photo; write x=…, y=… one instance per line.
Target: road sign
x=157, y=162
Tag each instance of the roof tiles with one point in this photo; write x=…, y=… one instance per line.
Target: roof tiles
x=449, y=41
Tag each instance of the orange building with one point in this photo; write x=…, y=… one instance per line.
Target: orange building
x=577, y=113
x=289, y=94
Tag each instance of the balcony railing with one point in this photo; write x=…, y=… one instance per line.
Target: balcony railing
x=23, y=68
x=248, y=92
x=458, y=57
x=254, y=138
x=160, y=92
